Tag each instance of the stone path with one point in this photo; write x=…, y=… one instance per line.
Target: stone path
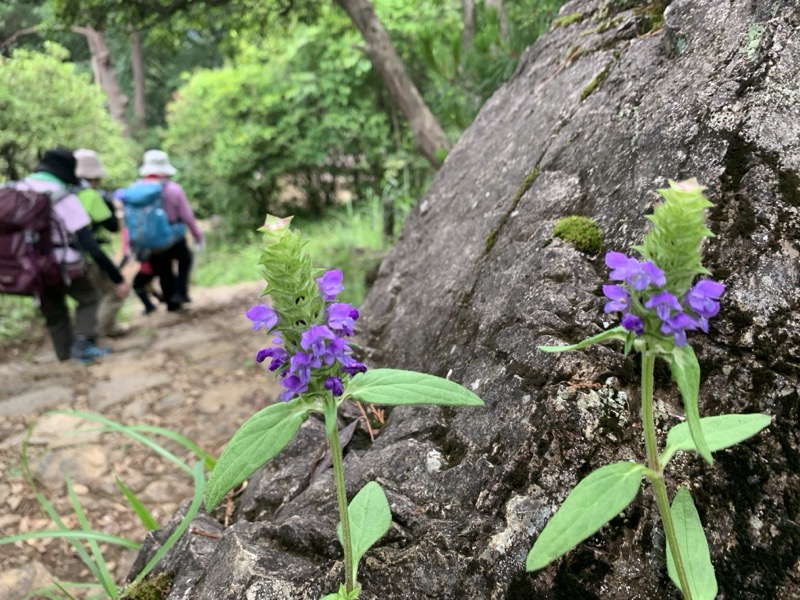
x=192, y=373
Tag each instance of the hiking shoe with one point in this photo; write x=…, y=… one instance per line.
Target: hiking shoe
x=85, y=352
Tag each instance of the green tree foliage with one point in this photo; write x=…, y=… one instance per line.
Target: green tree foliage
x=300, y=114
x=45, y=103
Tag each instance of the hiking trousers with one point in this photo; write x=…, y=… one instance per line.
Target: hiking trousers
x=56, y=313
x=175, y=288
x=110, y=304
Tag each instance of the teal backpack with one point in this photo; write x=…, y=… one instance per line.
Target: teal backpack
x=149, y=228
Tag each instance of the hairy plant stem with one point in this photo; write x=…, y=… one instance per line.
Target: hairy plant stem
x=657, y=476
x=332, y=432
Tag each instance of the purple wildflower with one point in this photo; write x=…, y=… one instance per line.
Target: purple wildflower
x=619, y=298
x=636, y=274
x=341, y=318
x=334, y=384
x=301, y=364
x=677, y=326
x=277, y=354
x=702, y=297
x=314, y=339
x=262, y=316
x=664, y=303
x=294, y=385
x=633, y=323
x=330, y=284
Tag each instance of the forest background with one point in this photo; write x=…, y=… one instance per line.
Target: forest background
x=338, y=112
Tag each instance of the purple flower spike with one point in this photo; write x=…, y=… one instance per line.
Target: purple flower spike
x=633, y=323
x=334, y=384
x=262, y=316
x=330, y=284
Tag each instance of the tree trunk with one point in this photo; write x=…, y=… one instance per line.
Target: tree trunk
x=104, y=75
x=428, y=134
x=468, y=32
x=137, y=64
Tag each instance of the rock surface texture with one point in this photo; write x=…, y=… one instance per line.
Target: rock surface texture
x=600, y=112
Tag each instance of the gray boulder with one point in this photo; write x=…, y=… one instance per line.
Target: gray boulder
x=601, y=111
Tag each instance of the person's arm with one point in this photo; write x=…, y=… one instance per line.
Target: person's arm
x=112, y=222
x=87, y=243
x=185, y=213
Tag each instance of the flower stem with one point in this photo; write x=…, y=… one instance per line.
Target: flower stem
x=332, y=432
x=657, y=476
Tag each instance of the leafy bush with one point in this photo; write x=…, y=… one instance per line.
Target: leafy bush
x=45, y=103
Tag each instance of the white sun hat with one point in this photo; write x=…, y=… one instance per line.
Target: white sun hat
x=156, y=162
x=88, y=165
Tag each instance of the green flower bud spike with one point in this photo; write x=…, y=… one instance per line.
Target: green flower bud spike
x=290, y=277
x=678, y=229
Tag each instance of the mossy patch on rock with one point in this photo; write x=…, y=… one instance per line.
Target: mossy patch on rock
x=154, y=588
x=581, y=232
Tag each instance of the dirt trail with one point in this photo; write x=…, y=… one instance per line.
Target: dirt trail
x=191, y=372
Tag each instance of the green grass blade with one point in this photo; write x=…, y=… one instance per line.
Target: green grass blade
x=70, y=534
x=138, y=507
x=102, y=568
x=194, y=507
x=131, y=433
x=208, y=460
x=48, y=508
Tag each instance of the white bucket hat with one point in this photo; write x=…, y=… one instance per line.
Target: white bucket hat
x=88, y=166
x=156, y=162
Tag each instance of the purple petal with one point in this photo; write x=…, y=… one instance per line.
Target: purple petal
x=330, y=284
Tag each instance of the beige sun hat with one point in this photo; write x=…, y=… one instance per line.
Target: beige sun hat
x=156, y=162
x=88, y=166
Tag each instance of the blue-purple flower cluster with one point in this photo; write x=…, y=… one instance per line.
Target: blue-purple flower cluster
x=323, y=353
x=642, y=295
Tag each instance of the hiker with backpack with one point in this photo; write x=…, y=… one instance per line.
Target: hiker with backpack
x=157, y=214
x=101, y=211
x=43, y=231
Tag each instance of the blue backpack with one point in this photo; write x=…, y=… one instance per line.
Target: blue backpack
x=147, y=222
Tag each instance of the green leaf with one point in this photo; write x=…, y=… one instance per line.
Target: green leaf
x=693, y=548
x=720, y=432
x=597, y=499
x=258, y=440
x=686, y=373
x=618, y=333
x=394, y=387
x=370, y=519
